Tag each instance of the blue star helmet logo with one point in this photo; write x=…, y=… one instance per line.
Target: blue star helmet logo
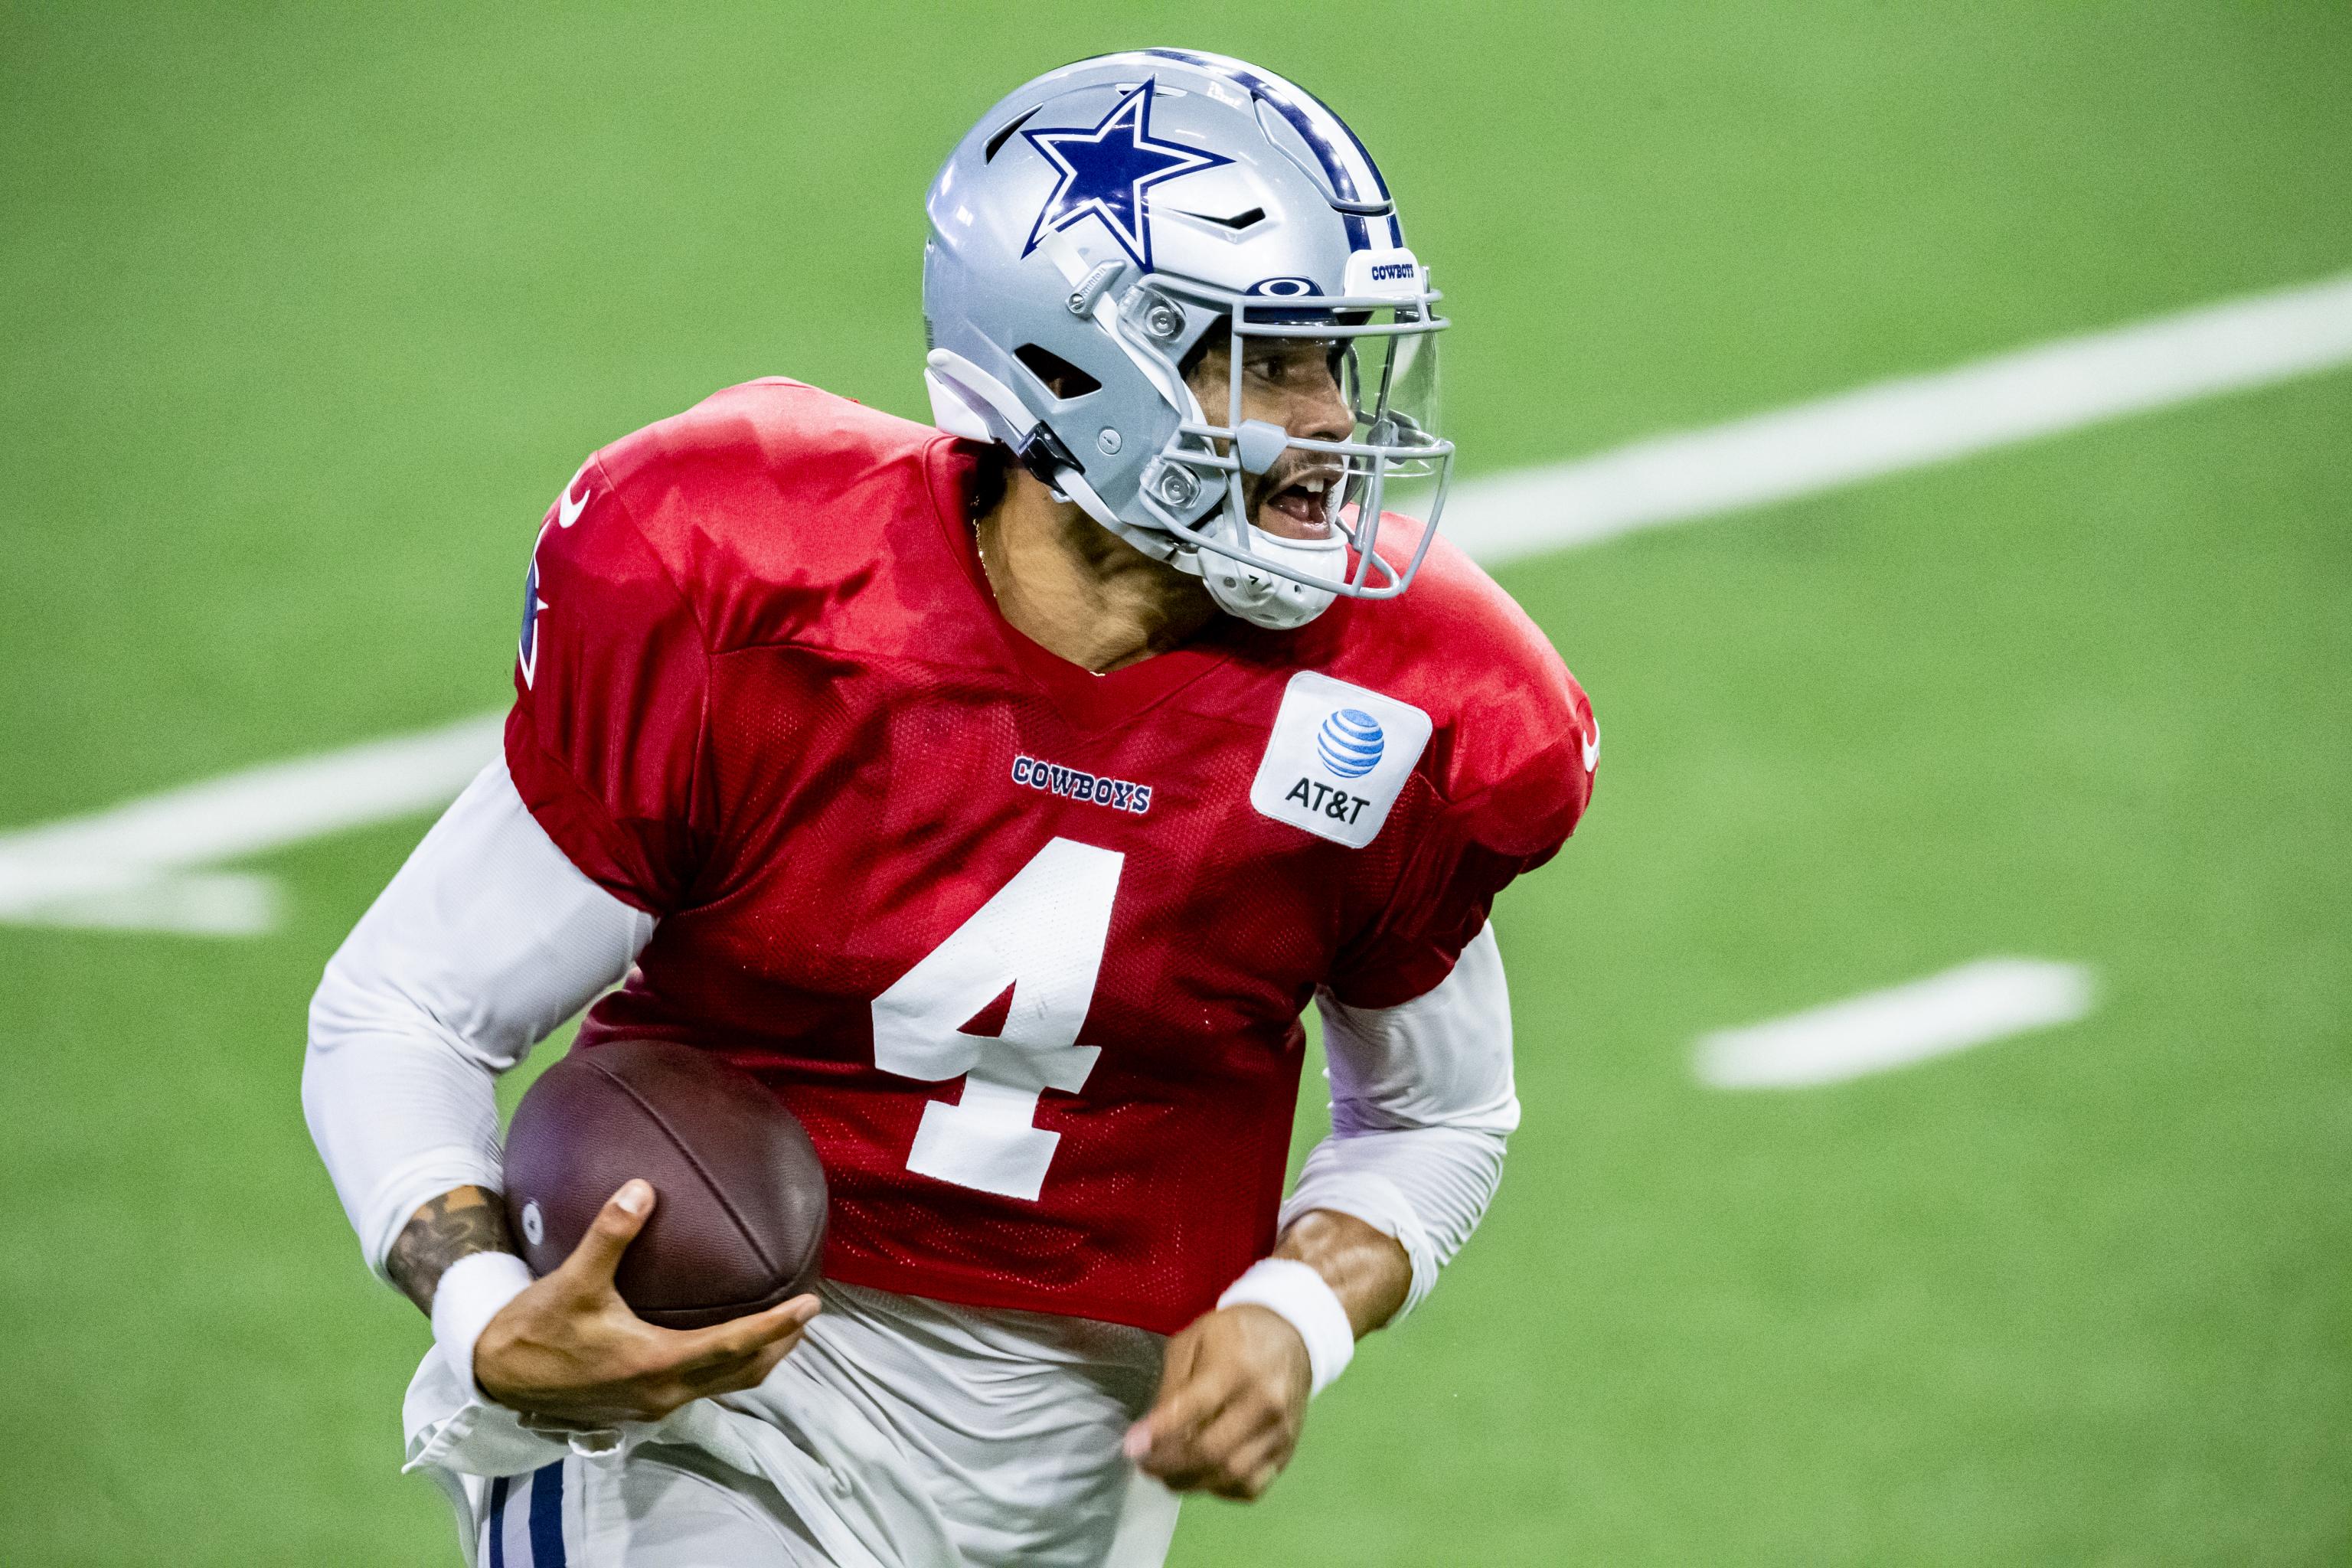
x=1105, y=170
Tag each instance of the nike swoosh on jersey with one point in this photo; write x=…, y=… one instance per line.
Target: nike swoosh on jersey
x=1592, y=745
x=567, y=511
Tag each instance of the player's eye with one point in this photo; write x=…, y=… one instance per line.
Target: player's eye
x=1297, y=365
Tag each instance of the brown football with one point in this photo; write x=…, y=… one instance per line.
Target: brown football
x=738, y=1221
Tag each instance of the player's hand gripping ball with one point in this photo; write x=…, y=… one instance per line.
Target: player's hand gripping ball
x=739, y=1222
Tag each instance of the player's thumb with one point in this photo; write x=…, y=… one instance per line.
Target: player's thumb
x=1176, y=1408
x=617, y=1225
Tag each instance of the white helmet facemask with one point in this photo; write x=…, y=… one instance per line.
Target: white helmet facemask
x=1090, y=235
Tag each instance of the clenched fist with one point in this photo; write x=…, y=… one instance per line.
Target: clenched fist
x=1232, y=1400
x=1234, y=1391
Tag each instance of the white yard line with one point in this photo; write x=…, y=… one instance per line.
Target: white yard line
x=135, y=864
x=1909, y=423
x=118, y=867
x=1974, y=1005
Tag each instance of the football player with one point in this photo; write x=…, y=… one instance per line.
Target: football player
x=1000, y=793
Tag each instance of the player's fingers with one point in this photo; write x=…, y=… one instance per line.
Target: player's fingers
x=769, y=1358
x=1177, y=1373
x=1177, y=1362
x=729, y=1376
x=1166, y=1441
x=1240, y=1429
x=1249, y=1485
x=1251, y=1466
x=1169, y=1424
x=752, y=1371
x=1225, y=1447
x=717, y=1375
x=741, y=1337
x=617, y=1225
x=1184, y=1354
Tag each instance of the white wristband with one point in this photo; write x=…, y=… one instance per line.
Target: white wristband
x=1305, y=1301
x=472, y=1291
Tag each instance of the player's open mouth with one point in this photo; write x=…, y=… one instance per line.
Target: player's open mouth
x=1307, y=501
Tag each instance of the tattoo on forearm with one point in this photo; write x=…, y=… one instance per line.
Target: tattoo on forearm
x=463, y=1220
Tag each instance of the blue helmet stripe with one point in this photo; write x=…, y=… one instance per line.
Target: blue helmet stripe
x=1310, y=117
x=1347, y=164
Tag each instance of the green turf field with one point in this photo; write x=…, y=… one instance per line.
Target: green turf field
x=304, y=316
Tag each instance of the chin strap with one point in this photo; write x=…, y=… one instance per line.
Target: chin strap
x=1267, y=598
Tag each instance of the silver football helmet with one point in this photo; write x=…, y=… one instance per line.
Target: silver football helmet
x=1108, y=223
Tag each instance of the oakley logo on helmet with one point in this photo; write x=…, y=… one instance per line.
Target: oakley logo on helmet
x=1105, y=171
x=1328, y=729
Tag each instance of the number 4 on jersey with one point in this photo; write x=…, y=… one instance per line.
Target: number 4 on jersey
x=1042, y=934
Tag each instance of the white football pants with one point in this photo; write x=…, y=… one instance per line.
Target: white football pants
x=902, y=1433
x=664, y=1507
x=676, y=1508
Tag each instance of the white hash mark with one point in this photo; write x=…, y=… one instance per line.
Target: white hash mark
x=1975, y=1004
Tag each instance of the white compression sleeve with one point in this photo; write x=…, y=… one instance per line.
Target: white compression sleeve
x=486, y=941
x=1422, y=1104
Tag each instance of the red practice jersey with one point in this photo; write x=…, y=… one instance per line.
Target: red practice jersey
x=1023, y=947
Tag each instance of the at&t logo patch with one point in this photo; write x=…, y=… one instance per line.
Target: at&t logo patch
x=1350, y=744
x=1338, y=758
